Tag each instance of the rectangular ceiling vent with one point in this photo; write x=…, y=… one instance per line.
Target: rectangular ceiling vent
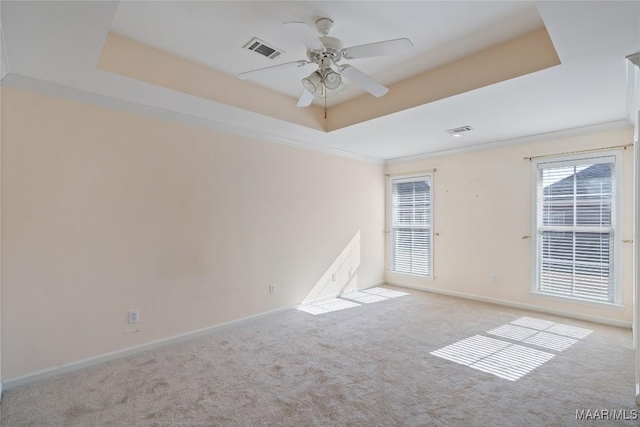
x=258, y=46
x=460, y=130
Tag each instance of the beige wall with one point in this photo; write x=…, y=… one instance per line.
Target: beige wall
x=483, y=208
x=104, y=211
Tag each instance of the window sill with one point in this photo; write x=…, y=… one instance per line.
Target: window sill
x=610, y=305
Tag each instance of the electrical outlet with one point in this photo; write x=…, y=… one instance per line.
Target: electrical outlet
x=134, y=316
x=496, y=279
x=272, y=289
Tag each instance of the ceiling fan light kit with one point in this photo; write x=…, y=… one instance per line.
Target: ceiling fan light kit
x=331, y=79
x=313, y=83
x=327, y=52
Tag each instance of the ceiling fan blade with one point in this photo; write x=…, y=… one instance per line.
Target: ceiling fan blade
x=305, y=34
x=389, y=47
x=251, y=74
x=363, y=80
x=305, y=98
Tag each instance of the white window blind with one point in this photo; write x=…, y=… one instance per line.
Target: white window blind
x=575, y=228
x=411, y=237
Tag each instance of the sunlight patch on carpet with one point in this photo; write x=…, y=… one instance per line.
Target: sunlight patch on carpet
x=531, y=336
x=516, y=333
x=550, y=341
x=351, y=299
x=550, y=335
x=470, y=350
x=328, y=306
x=369, y=296
x=530, y=322
x=387, y=293
x=512, y=361
x=497, y=357
x=363, y=297
x=570, y=331
x=367, y=299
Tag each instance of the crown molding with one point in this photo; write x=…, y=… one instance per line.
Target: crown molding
x=566, y=133
x=66, y=92
x=19, y=81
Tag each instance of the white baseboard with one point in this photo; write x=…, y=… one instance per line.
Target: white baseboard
x=81, y=364
x=513, y=304
x=47, y=373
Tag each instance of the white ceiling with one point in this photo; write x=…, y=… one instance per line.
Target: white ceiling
x=213, y=33
x=53, y=47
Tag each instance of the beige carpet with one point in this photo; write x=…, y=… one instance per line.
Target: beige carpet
x=365, y=366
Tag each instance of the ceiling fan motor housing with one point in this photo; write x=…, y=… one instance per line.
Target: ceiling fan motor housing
x=324, y=26
x=333, y=45
x=332, y=51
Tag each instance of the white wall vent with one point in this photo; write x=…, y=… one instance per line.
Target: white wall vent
x=258, y=46
x=459, y=130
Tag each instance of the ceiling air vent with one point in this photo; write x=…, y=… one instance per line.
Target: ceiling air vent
x=457, y=132
x=258, y=46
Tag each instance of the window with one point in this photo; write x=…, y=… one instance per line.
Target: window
x=411, y=221
x=576, y=227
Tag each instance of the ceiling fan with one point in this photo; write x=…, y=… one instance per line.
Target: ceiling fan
x=327, y=52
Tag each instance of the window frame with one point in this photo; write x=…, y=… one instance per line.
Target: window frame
x=616, y=223
x=390, y=233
